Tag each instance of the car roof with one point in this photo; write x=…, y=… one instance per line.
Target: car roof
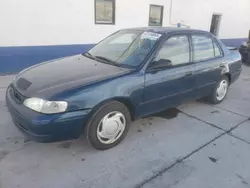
x=165, y=30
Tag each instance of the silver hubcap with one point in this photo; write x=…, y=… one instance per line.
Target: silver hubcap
x=222, y=90
x=111, y=127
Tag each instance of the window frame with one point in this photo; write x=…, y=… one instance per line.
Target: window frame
x=162, y=12
x=148, y=69
x=220, y=49
x=113, y=14
x=213, y=41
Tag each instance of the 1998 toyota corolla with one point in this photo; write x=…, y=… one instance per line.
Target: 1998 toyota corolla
x=130, y=74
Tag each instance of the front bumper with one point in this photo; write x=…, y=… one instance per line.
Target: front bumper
x=43, y=127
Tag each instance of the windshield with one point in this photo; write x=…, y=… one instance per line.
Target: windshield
x=126, y=48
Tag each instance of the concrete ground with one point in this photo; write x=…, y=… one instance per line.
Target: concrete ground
x=204, y=146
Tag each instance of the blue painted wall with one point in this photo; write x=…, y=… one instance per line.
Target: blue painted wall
x=15, y=59
x=234, y=42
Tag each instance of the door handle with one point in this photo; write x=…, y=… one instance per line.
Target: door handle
x=188, y=73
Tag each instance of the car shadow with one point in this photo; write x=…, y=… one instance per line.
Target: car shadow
x=167, y=114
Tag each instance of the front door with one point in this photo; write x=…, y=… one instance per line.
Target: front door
x=169, y=86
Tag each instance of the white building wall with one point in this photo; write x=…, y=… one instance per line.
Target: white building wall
x=57, y=22
x=235, y=22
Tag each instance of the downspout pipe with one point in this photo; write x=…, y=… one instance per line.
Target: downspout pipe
x=170, y=13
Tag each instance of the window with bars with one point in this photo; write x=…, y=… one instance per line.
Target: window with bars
x=155, y=15
x=105, y=11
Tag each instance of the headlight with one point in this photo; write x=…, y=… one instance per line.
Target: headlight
x=46, y=107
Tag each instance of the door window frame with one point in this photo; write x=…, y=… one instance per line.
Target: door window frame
x=148, y=69
x=220, y=49
x=213, y=41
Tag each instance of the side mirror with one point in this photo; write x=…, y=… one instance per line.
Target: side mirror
x=161, y=63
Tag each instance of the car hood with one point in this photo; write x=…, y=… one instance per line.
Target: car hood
x=52, y=77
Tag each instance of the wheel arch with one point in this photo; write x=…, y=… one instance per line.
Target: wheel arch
x=124, y=100
x=228, y=76
x=226, y=72
x=128, y=104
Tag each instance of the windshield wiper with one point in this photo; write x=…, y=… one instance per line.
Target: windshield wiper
x=101, y=58
x=109, y=61
x=87, y=54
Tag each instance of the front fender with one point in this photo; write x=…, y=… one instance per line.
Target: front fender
x=128, y=87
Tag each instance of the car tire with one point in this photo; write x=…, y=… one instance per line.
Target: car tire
x=108, y=125
x=220, y=91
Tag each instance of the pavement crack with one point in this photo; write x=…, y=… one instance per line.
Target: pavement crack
x=229, y=132
x=241, y=139
x=230, y=111
x=237, y=125
x=178, y=161
x=211, y=124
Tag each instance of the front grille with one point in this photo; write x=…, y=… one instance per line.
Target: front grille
x=16, y=96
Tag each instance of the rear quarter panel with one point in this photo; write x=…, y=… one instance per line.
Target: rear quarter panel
x=234, y=63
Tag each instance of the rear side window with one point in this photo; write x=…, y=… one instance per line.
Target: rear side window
x=175, y=49
x=203, y=47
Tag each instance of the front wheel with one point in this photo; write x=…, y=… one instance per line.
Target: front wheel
x=108, y=126
x=220, y=91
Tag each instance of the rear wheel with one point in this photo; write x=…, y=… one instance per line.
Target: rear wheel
x=108, y=126
x=220, y=91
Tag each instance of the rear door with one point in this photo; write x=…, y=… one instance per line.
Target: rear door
x=208, y=57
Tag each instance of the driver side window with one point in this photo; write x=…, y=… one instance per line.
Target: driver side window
x=176, y=49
